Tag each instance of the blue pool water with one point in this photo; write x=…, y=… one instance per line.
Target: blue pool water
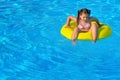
x=32, y=48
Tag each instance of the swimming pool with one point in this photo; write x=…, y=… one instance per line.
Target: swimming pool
x=32, y=48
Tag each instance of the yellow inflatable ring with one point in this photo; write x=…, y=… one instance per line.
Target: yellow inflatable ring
x=103, y=32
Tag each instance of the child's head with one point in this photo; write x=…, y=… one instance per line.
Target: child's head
x=83, y=14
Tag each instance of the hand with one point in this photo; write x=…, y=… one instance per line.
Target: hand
x=67, y=26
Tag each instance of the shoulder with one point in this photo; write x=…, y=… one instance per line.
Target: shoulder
x=93, y=19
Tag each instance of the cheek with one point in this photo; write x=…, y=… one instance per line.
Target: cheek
x=81, y=18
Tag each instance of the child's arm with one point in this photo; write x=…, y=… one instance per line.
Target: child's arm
x=69, y=19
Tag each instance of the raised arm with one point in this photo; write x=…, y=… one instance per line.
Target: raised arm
x=69, y=19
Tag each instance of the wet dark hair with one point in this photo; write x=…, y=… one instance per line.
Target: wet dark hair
x=83, y=10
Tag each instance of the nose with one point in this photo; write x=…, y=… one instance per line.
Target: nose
x=85, y=18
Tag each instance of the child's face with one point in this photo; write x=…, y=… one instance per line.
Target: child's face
x=84, y=17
